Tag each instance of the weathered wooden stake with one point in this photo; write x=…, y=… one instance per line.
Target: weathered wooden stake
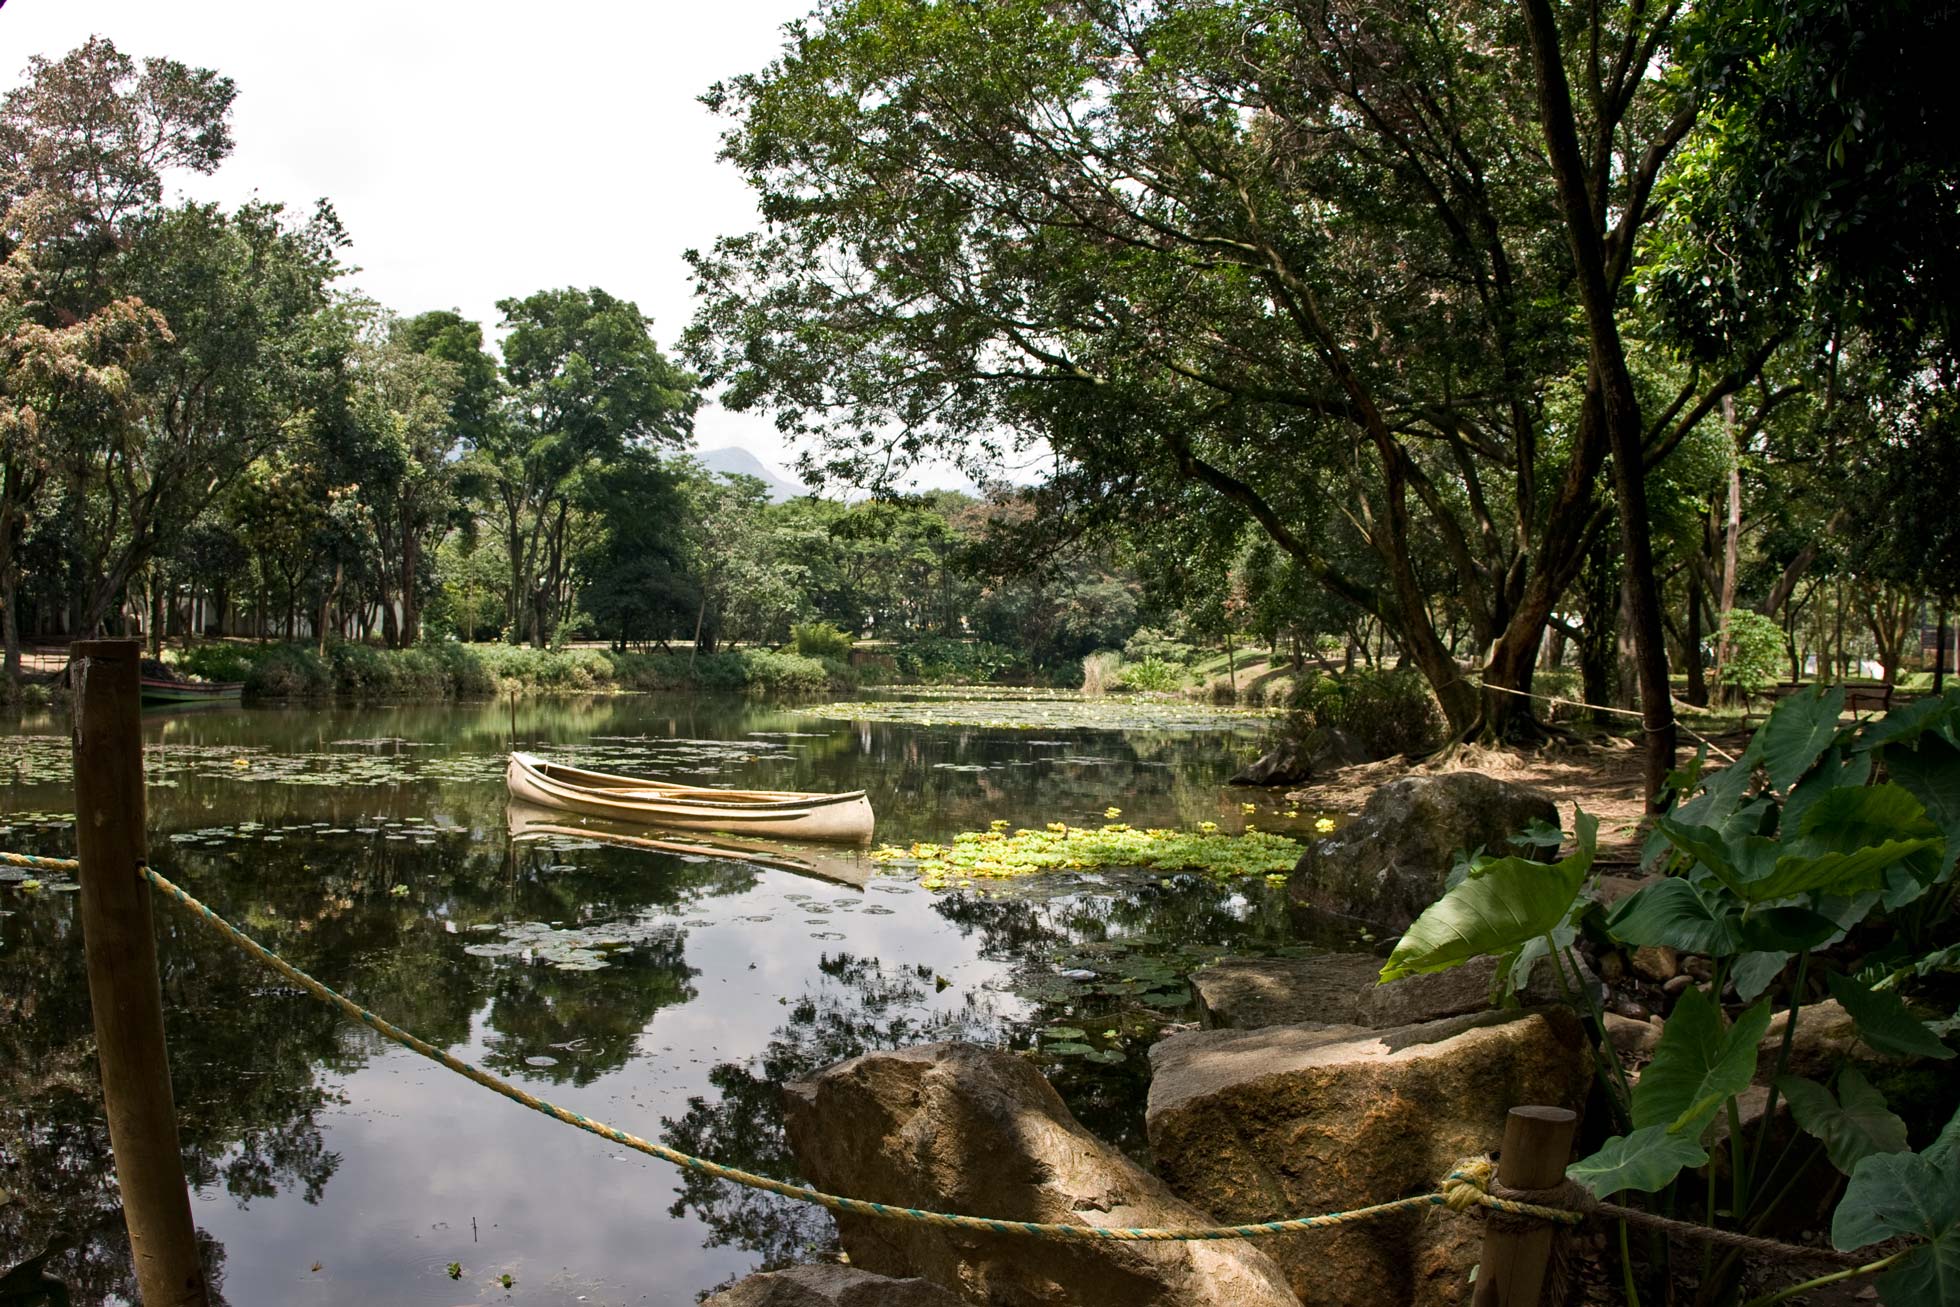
x=119, y=941
x=1537, y=1145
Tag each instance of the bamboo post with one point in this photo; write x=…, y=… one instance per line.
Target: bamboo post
x=119, y=943
x=1512, y=1270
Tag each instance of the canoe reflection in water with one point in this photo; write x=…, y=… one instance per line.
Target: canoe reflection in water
x=773, y=814
x=528, y=822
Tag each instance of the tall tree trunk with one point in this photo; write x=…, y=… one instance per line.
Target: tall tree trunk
x=1611, y=397
x=1939, y=653
x=1731, y=551
x=10, y=621
x=1691, y=644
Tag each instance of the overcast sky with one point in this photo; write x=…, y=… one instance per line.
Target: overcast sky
x=475, y=150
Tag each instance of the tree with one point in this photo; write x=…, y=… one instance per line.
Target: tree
x=585, y=383
x=253, y=350
x=52, y=377
x=1305, y=256
x=399, y=440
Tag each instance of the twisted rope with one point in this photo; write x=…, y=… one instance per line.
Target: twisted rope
x=39, y=864
x=1463, y=1189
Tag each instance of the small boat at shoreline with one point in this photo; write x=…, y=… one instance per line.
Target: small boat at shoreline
x=164, y=689
x=848, y=868
x=771, y=814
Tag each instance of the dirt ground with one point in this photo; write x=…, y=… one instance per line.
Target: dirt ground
x=1601, y=775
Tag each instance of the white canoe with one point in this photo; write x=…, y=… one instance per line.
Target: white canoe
x=771, y=814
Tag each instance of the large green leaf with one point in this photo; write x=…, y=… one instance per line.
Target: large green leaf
x=1698, y=1064
x=1785, y=930
x=1850, y=1130
x=1931, y=774
x=1647, y=1160
x=1909, y=724
x=1895, y=1194
x=1945, y=1150
x=1885, y=1022
x=1834, y=771
x=1672, y=912
x=1702, y=844
x=1754, y=972
x=1857, y=817
x=1840, y=874
x=1799, y=728
x=1495, y=910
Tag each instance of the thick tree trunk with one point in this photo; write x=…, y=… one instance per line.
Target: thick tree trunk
x=10, y=621
x=1610, y=394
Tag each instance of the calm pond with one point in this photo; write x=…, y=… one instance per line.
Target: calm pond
x=668, y=994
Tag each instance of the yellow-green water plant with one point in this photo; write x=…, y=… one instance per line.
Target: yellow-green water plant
x=1001, y=854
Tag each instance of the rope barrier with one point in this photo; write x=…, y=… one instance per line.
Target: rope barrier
x=33, y=863
x=1679, y=725
x=1464, y=1189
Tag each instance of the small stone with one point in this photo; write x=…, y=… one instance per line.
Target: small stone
x=1631, y=1038
x=1656, y=962
x=1699, y=968
x=1674, y=987
x=1611, y=968
x=831, y=1286
x=1631, y=1008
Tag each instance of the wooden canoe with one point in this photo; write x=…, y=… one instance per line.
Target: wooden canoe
x=158, y=689
x=772, y=814
x=852, y=869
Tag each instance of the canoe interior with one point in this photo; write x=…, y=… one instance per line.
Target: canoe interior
x=630, y=788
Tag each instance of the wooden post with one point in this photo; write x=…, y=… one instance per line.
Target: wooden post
x=1537, y=1145
x=119, y=941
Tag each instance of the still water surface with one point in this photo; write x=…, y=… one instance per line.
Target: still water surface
x=671, y=995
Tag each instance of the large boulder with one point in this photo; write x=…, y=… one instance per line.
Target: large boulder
x=831, y=1286
x=955, y=1128
x=1389, y=863
x=1257, y=1125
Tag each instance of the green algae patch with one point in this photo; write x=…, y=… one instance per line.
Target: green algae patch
x=999, y=854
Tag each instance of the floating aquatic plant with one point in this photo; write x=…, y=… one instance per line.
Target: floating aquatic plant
x=999, y=855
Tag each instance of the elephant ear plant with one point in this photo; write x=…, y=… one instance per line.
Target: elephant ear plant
x=1819, y=830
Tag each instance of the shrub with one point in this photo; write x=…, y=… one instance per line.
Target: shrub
x=1100, y=671
x=1149, y=644
x=937, y=661
x=289, y=671
x=1755, y=652
x=1153, y=674
x=1384, y=712
x=217, y=662
x=820, y=640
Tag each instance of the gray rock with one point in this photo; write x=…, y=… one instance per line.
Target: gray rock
x=830, y=1286
x=1257, y=1125
x=1344, y=989
x=1389, y=863
x=1247, y=993
x=952, y=1127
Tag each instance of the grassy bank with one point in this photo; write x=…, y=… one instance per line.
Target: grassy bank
x=459, y=671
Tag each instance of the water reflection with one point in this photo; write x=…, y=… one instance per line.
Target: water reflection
x=635, y=984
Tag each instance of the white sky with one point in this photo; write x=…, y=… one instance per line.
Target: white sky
x=475, y=149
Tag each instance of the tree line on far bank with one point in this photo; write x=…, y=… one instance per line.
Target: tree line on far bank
x=1637, y=365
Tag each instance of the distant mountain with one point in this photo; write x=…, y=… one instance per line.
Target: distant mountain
x=733, y=458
